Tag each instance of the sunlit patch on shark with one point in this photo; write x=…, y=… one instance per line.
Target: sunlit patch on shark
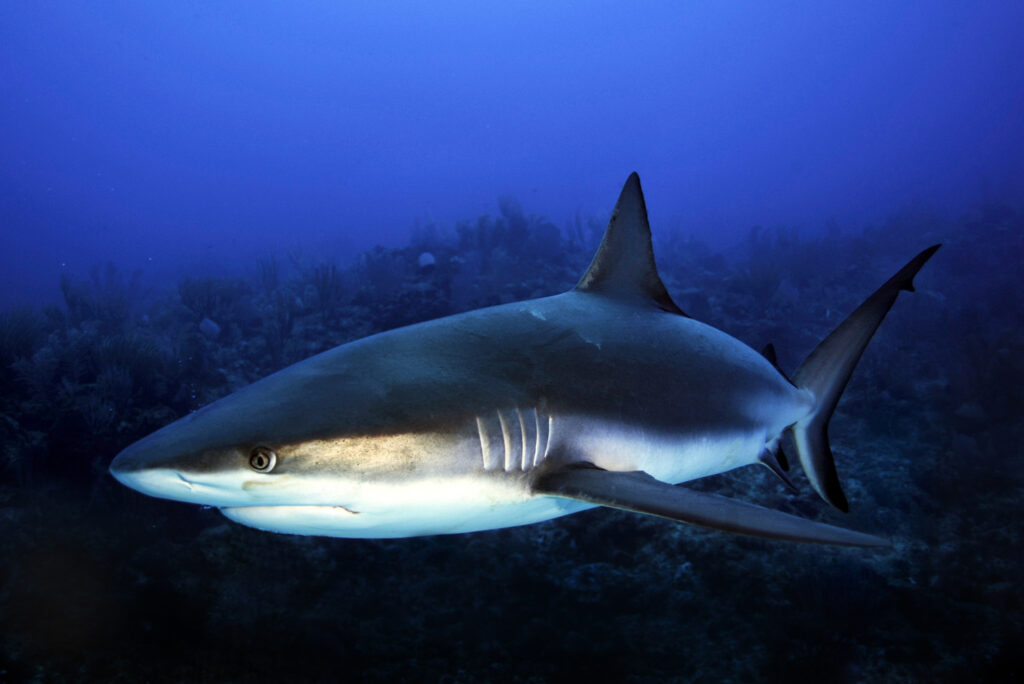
x=606, y=395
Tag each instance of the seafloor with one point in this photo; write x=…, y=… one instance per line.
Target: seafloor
x=99, y=583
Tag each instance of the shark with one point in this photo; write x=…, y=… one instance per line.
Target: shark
x=605, y=395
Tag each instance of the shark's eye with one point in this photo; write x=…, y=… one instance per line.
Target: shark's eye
x=262, y=459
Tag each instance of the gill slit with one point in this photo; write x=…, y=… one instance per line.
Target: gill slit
x=523, y=461
x=507, y=438
x=521, y=449
x=485, y=443
x=547, y=442
x=537, y=437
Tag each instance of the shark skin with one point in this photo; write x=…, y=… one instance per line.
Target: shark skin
x=606, y=395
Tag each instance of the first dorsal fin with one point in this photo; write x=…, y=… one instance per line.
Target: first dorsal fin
x=624, y=263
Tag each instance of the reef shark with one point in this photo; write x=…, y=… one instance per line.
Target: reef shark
x=605, y=395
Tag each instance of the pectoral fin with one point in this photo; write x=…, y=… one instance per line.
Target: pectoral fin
x=639, y=492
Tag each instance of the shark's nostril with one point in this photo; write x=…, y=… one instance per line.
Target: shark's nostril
x=184, y=481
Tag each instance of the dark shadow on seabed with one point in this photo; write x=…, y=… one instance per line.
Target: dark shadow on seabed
x=102, y=584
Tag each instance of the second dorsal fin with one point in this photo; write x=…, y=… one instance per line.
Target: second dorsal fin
x=624, y=263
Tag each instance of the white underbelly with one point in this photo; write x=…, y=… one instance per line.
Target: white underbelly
x=413, y=509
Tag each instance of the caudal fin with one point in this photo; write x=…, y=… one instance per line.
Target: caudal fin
x=827, y=370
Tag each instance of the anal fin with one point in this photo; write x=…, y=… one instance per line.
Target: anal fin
x=639, y=492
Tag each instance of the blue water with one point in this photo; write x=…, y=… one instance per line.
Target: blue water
x=282, y=171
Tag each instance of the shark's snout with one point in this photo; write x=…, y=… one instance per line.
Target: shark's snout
x=125, y=464
x=159, y=467
x=148, y=470
x=135, y=468
x=160, y=454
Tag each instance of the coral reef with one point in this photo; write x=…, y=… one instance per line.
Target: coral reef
x=100, y=583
